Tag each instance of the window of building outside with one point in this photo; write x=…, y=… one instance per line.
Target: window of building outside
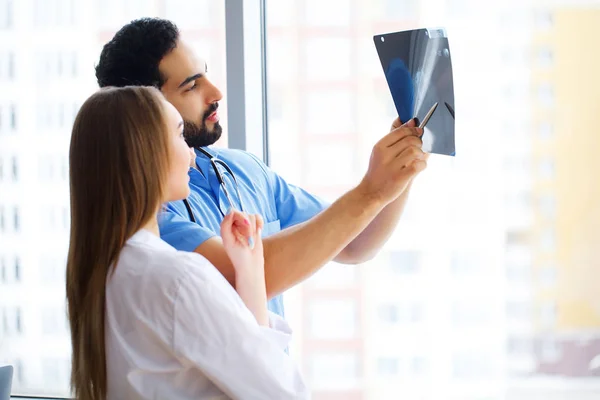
x=387, y=367
x=405, y=262
x=334, y=371
x=333, y=319
x=545, y=130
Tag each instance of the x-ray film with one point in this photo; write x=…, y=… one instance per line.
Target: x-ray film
x=418, y=70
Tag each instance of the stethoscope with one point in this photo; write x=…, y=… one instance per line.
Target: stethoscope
x=214, y=162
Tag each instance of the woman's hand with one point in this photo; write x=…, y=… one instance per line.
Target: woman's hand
x=241, y=234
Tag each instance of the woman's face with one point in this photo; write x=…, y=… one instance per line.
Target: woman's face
x=177, y=178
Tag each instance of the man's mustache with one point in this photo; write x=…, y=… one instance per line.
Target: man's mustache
x=211, y=109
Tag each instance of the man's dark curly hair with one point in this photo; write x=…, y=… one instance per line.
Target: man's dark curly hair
x=133, y=54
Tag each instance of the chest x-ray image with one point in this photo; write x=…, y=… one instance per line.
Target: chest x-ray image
x=418, y=69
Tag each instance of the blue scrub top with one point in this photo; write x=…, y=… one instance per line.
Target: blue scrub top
x=263, y=192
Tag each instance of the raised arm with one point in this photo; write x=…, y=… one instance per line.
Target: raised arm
x=294, y=254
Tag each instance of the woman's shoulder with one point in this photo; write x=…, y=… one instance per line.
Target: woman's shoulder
x=147, y=260
x=156, y=256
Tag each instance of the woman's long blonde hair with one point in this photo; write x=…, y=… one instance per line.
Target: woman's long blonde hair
x=118, y=159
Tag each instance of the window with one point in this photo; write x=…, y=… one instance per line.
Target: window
x=7, y=66
x=338, y=371
x=543, y=20
x=547, y=240
x=189, y=15
x=66, y=218
x=55, y=116
x=333, y=13
x=17, y=269
x=281, y=64
x=2, y=222
x=405, y=262
x=547, y=276
x=15, y=169
x=56, y=371
x=16, y=219
x=281, y=13
x=3, y=269
x=322, y=119
x=324, y=169
x=10, y=272
x=458, y=8
x=470, y=313
x=53, y=13
x=11, y=321
x=519, y=311
x=333, y=319
x=400, y=9
x=517, y=164
x=6, y=14
x=546, y=94
x=18, y=329
x=394, y=314
x=472, y=366
x=389, y=313
x=18, y=372
x=465, y=264
x=545, y=57
x=550, y=351
x=520, y=200
x=515, y=237
x=519, y=273
x=519, y=346
x=418, y=366
x=322, y=64
x=546, y=169
x=52, y=269
x=13, y=118
x=74, y=64
x=387, y=367
x=334, y=276
x=50, y=218
x=276, y=110
x=547, y=206
x=545, y=130
x=53, y=321
x=548, y=314
x=112, y=14
x=64, y=168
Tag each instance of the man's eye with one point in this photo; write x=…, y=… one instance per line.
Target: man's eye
x=194, y=86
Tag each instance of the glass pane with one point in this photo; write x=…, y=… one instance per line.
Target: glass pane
x=488, y=286
x=44, y=80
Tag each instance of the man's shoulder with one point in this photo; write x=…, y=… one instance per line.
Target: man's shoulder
x=236, y=156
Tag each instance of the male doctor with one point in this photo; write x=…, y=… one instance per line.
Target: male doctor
x=302, y=232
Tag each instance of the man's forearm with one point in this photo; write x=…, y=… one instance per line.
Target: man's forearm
x=366, y=245
x=296, y=253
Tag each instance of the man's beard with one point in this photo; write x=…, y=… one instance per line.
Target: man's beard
x=200, y=136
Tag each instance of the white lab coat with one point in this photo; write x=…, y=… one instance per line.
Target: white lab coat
x=176, y=329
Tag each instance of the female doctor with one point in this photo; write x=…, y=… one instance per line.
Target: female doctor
x=148, y=321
